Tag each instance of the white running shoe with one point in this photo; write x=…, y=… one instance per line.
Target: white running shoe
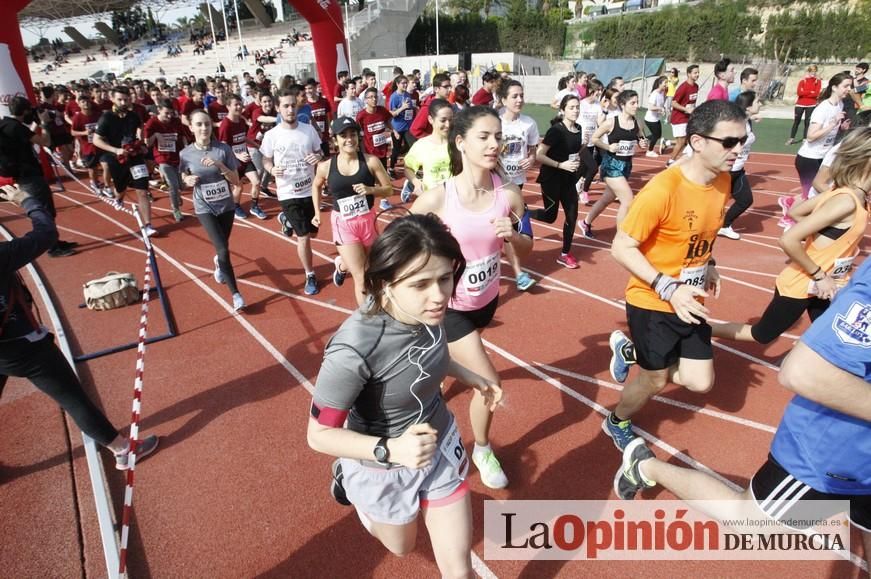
x=150, y=231
x=728, y=232
x=651, y=154
x=219, y=275
x=238, y=302
x=491, y=471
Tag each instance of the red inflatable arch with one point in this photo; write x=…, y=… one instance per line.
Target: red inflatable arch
x=328, y=37
x=324, y=16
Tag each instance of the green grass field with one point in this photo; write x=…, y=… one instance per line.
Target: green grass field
x=771, y=134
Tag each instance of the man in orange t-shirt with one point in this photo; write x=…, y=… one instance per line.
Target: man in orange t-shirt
x=665, y=242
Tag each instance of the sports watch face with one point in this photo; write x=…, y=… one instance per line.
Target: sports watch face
x=381, y=453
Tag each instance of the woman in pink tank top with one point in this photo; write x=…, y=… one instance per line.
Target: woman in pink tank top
x=482, y=212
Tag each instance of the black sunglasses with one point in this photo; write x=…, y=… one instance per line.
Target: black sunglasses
x=728, y=142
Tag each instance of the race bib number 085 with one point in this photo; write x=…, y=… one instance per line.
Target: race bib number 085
x=694, y=276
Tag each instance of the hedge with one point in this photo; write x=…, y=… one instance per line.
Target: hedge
x=706, y=30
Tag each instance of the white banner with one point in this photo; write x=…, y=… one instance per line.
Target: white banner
x=11, y=84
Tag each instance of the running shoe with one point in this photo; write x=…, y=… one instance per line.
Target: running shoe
x=106, y=192
x=670, y=162
x=584, y=198
x=256, y=211
x=67, y=244
x=239, y=213
x=651, y=154
x=311, y=285
x=150, y=231
x=219, y=275
x=285, y=226
x=145, y=447
x=267, y=192
x=524, y=281
x=491, y=471
x=622, y=355
x=407, y=189
x=339, y=275
x=566, y=260
x=385, y=205
x=729, y=232
x=337, y=489
x=58, y=251
x=238, y=302
x=621, y=432
x=586, y=229
x=785, y=223
x=629, y=478
x=177, y=215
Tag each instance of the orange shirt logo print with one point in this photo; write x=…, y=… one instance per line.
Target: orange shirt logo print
x=690, y=218
x=698, y=248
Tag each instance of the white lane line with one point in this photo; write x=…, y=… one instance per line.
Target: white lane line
x=671, y=402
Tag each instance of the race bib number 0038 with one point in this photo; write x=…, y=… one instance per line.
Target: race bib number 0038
x=214, y=192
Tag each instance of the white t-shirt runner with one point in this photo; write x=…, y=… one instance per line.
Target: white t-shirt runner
x=824, y=114
x=288, y=148
x=656, y=99
x=745, y=150
x=518, y=137
x=589, y=120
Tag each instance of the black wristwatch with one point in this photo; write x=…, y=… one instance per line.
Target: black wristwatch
x=381, y=452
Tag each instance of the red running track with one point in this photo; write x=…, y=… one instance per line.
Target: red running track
x=234, y=490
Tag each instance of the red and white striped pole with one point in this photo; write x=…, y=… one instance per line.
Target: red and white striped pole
x=137, y=405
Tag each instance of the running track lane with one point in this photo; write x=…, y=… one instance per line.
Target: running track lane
x=193, y=499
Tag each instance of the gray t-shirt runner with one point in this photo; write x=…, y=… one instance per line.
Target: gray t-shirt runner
x=213, y=194
x=369, y=367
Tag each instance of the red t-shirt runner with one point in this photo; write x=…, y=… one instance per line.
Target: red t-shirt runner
x=169, y=139
x=482, y=97
x=686, y=94
x=376, y=131
x=82, y=122
x=234, y=134
x=258, y=129
x=320, y=109
x=217, y=111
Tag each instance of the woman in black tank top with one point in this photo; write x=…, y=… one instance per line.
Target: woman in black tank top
x=624, y=137
x=354, y=179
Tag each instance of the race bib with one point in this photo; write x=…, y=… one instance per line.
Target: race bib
x=480, y=274
x=380, y=139
x=139, y=171
x=214, y=192
x=574, y=157
x=166, y=142
x=240, y=149
x=512, y=168
x=454, y=451
x=301, y=185
x=221, y=116
x=830, y=139
x=694, y=276
x=625, y=148
x=409, y=114
x=839, y=273
x=354, y=206
x=91, y=127
x=587, y=135
x=320, y=125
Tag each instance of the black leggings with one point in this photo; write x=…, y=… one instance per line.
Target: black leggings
x=798, y=112
x=590, y=158
x=655, y=129
x=44, y=365
x=555, y=193
x=398, y=147
x=807, y=171
x=742, y=194
x=782, y=313
x=219, y=227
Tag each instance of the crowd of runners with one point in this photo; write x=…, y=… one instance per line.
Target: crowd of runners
x=427, y=285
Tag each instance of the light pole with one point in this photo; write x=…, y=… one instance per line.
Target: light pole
x=437, y=27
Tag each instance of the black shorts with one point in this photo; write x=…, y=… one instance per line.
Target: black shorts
x=661, y=338
x=61, y=139
x=772, y=486
x=89, y=161
x=122, y=178
x=299, y=214
x=782, y=313
x=459, y=324
x=245, y=168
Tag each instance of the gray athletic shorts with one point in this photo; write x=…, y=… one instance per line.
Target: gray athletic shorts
x=394, y=495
